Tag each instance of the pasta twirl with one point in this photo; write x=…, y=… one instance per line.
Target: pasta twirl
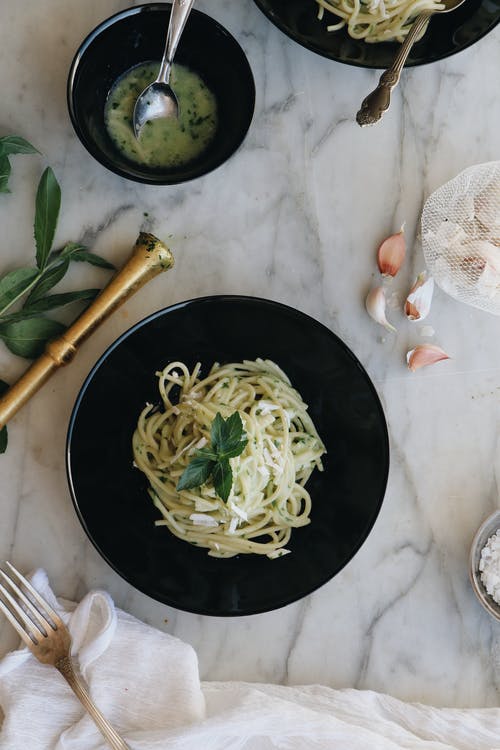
x=268, y=497
x=376, y=20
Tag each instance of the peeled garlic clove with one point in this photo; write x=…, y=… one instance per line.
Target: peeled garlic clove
x=423, y=355
x=391, y=253
x=375, y=305
x=418, y=302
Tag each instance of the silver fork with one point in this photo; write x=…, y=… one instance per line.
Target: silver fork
x=48, y=638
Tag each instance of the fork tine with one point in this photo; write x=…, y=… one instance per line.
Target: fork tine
x=16, y=625
x=33, y=613
x=20, y=615
x=46, y=608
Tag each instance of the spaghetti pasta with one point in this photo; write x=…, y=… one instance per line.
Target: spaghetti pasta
x=376, y=20
x=268, y=497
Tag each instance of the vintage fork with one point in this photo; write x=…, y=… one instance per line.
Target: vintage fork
x=48, y=638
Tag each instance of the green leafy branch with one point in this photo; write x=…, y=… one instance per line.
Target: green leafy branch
x=9, y=145
x=226, y=441
x=24, y=327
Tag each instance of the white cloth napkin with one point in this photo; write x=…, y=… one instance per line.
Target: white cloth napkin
x=147, y=684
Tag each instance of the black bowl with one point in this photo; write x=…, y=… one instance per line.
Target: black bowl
x=110, y=496
x=137, y=35
x=447, y=34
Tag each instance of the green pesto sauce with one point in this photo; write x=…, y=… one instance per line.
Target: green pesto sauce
x=165, y=142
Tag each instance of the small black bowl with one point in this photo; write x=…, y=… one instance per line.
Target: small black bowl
x=137, y=35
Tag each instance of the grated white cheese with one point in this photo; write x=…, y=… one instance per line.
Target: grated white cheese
x=238, y=511
x=201, y=519
x=489, y=566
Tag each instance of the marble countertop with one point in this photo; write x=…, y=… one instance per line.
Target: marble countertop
x=296, y=216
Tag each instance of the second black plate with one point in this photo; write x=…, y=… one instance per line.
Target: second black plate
x=447, y=34
x=110, y=495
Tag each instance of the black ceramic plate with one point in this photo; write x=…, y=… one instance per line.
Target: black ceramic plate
x=110, y=495
x=447, y=34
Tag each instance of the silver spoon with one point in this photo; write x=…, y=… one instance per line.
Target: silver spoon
x=158, y=99
x=376, y=103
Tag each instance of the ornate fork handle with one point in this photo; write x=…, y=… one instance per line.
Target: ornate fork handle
x=376, y=103
x=66, y=668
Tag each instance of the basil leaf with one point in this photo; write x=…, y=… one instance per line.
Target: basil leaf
x=207, y=453
x=59, y=300
x=196, y=473
x=236, y=450
x=223, y=479
x=14, y=284
x=27, y=338
x=14, y=144
x=233, y=429
x=217, y=433
x=49, y=279
x=48, y=202
x=83, y=256
x=3, y=432
x=5, y=170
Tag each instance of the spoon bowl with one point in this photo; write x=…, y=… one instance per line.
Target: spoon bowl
x=158, y=100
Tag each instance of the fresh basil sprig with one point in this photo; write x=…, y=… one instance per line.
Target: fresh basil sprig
x=25, y=330
x=226, y=441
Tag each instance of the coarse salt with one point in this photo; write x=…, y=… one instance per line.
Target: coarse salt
x=489, y=566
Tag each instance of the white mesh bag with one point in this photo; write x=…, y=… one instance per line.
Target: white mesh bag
x=461, y=236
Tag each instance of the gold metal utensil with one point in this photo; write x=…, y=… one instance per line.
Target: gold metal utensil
x=48, y=638
x=378, y=101
x=149, y=258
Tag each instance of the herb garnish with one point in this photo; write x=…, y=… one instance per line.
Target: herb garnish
x=226, y=441
x=26, y=330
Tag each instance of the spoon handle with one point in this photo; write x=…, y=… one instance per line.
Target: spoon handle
x=378, y=101
x=178, y=17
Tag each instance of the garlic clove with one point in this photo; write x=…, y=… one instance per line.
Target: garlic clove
x=423, y=355
x=391, y=253
x=418, y=302
x=375, y=306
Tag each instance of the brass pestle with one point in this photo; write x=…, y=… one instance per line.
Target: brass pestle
x=149, y=258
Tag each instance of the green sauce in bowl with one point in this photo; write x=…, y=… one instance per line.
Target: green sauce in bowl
x=165, y=142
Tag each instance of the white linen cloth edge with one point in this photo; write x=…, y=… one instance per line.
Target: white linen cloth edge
x=147, y=684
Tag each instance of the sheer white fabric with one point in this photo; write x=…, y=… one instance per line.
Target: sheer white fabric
x=147, y=684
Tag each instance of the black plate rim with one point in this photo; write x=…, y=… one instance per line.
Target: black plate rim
x=203, y=300
x=279, y=24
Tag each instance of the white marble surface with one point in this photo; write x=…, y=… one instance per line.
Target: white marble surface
x=295, y=216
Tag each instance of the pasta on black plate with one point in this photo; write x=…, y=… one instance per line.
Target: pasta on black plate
x=268, y=497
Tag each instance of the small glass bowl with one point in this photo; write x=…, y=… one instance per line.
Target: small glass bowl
x=487, y=529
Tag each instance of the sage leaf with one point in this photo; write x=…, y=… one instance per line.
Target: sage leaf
x=48, y=202
x=84, y=256
x=49, y=279
x=223, y=479
x=5, y=170
x=59, y=300
x=14, y=284
x=3, y=432
x=70, y=248
x=27, y=338
x=14, y=144
x=197, y=472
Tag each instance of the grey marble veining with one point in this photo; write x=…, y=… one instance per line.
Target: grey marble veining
x=296, y=215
